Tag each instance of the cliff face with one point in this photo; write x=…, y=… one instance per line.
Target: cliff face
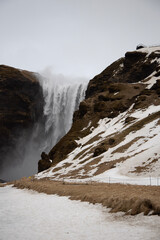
x=21, y=105
x=123, y=99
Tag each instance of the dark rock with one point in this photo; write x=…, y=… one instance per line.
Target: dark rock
x=44, y=156
x=82, y=109
x=43, y=164
x=157, y=74
x=21, y=105
x=140, y=46
x=99, y=150
x=156, y=87
x=111, y=141
x=57, y=154
x=133, y=58
x=136, y=68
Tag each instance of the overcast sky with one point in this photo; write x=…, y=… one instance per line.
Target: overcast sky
x=74, y=37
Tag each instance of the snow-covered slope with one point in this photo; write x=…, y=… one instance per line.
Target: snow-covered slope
x=117, y=138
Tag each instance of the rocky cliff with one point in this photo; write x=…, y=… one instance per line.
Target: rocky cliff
x=117, y=125
x=21, y=105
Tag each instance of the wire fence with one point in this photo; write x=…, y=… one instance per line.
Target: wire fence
x=150, y=181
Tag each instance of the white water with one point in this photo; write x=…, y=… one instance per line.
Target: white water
x=61, y=100
x=62, y=97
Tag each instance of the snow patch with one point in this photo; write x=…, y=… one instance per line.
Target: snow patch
x=149, y=50
x=89, y=124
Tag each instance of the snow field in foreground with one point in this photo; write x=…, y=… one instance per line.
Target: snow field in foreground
x=29, y=215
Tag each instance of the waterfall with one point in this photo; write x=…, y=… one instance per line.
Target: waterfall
x=62, y=97
x=61, y=100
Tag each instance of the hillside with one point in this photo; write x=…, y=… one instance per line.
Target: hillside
x=116, y=131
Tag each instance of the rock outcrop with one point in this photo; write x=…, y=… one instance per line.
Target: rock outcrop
x=44, y=163
x=21, y=106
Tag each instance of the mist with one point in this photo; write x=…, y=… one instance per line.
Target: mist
x=22, y=159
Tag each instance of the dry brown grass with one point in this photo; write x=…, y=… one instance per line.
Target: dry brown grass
x=56, y=169
x=144, y=168
x=29, y=75
x=131, y=199
x=81, y=154
x=87, y=167
x=66, y=165
x=124, y=147
x=102, y=167
x=2, y=185
x=94, y=139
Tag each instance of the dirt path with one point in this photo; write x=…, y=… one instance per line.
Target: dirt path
x=131, y=199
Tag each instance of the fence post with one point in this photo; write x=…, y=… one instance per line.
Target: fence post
x=91, y=180
x=157, y=181
x=150, y=180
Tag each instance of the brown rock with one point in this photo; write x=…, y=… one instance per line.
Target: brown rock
x=99, y=150
x=43, y=165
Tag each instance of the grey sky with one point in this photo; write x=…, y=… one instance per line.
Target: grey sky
x=74, y=37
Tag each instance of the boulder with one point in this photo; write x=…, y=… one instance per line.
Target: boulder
x=44, y=163
x=99, y=150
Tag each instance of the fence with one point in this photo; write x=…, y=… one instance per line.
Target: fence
x=150, y=181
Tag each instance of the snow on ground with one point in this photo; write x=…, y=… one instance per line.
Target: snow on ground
x=114, y=176
x=143, y=151
x=151, y=79
x=149, y=50
x=29, y=215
